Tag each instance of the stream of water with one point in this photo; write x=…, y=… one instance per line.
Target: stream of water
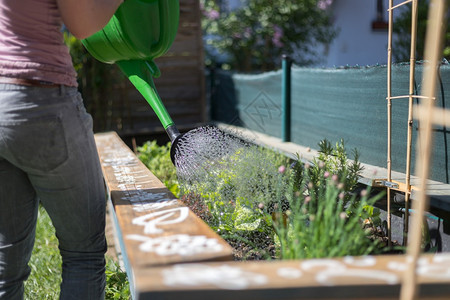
x=202, y=151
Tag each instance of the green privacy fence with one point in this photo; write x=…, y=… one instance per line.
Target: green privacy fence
x=340, y=103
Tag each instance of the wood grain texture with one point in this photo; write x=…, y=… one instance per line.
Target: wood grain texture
x=369, y=277
x=156, y=228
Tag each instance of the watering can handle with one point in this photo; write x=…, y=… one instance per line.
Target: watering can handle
x=141, y=73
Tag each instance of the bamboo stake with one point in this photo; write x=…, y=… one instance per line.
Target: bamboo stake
x=403, y=3
x=433, y=51
x=412, y=68
x=407, y=96
x=441, y=116
x=389, y=119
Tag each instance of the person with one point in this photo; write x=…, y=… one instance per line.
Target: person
x=47, y=148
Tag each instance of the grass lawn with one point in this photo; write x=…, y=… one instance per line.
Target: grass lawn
x=45, y=264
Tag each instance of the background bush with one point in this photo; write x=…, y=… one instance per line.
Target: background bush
x=254, y=36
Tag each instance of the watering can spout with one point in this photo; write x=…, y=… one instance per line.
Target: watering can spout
x=172, y=132
x=141, y=73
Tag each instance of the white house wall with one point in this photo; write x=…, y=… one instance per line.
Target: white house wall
x=357, y=43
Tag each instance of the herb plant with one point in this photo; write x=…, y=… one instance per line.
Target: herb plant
x=335, y=161
x=321, y=222
x=157, y=159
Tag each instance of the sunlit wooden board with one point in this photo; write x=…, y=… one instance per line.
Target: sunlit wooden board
x=369, y=277
x=155, y=227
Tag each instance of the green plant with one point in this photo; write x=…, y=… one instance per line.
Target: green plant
x=157, y=159
x=319, y=225
x=45, y=262
x=117, y=285
x=235, y=190
x=334, y=161
x=254, y=36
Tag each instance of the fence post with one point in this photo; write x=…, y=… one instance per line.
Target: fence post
x=286, y=98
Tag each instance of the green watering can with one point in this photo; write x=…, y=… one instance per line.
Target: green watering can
x=139, y=31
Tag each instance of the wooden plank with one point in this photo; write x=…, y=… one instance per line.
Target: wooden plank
x=368, y=277
x=175, y=78
x=156, y=228
x=180, y=65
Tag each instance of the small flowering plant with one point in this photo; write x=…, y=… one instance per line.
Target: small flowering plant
x=320, y=223
x=253, y=36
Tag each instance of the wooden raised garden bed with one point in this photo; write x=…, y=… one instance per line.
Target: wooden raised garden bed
x=169, y=253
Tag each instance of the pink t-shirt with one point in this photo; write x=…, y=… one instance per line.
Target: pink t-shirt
x=31, y=42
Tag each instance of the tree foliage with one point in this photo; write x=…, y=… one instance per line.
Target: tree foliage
x=254, y=36
x=402, y=29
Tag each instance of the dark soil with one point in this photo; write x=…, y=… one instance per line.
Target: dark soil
x=376, y=233
x=260, y=247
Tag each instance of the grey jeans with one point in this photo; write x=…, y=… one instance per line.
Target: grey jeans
x=48, y=155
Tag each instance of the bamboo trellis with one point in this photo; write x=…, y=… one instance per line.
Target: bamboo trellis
x=389, y=184
x=428, y=115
